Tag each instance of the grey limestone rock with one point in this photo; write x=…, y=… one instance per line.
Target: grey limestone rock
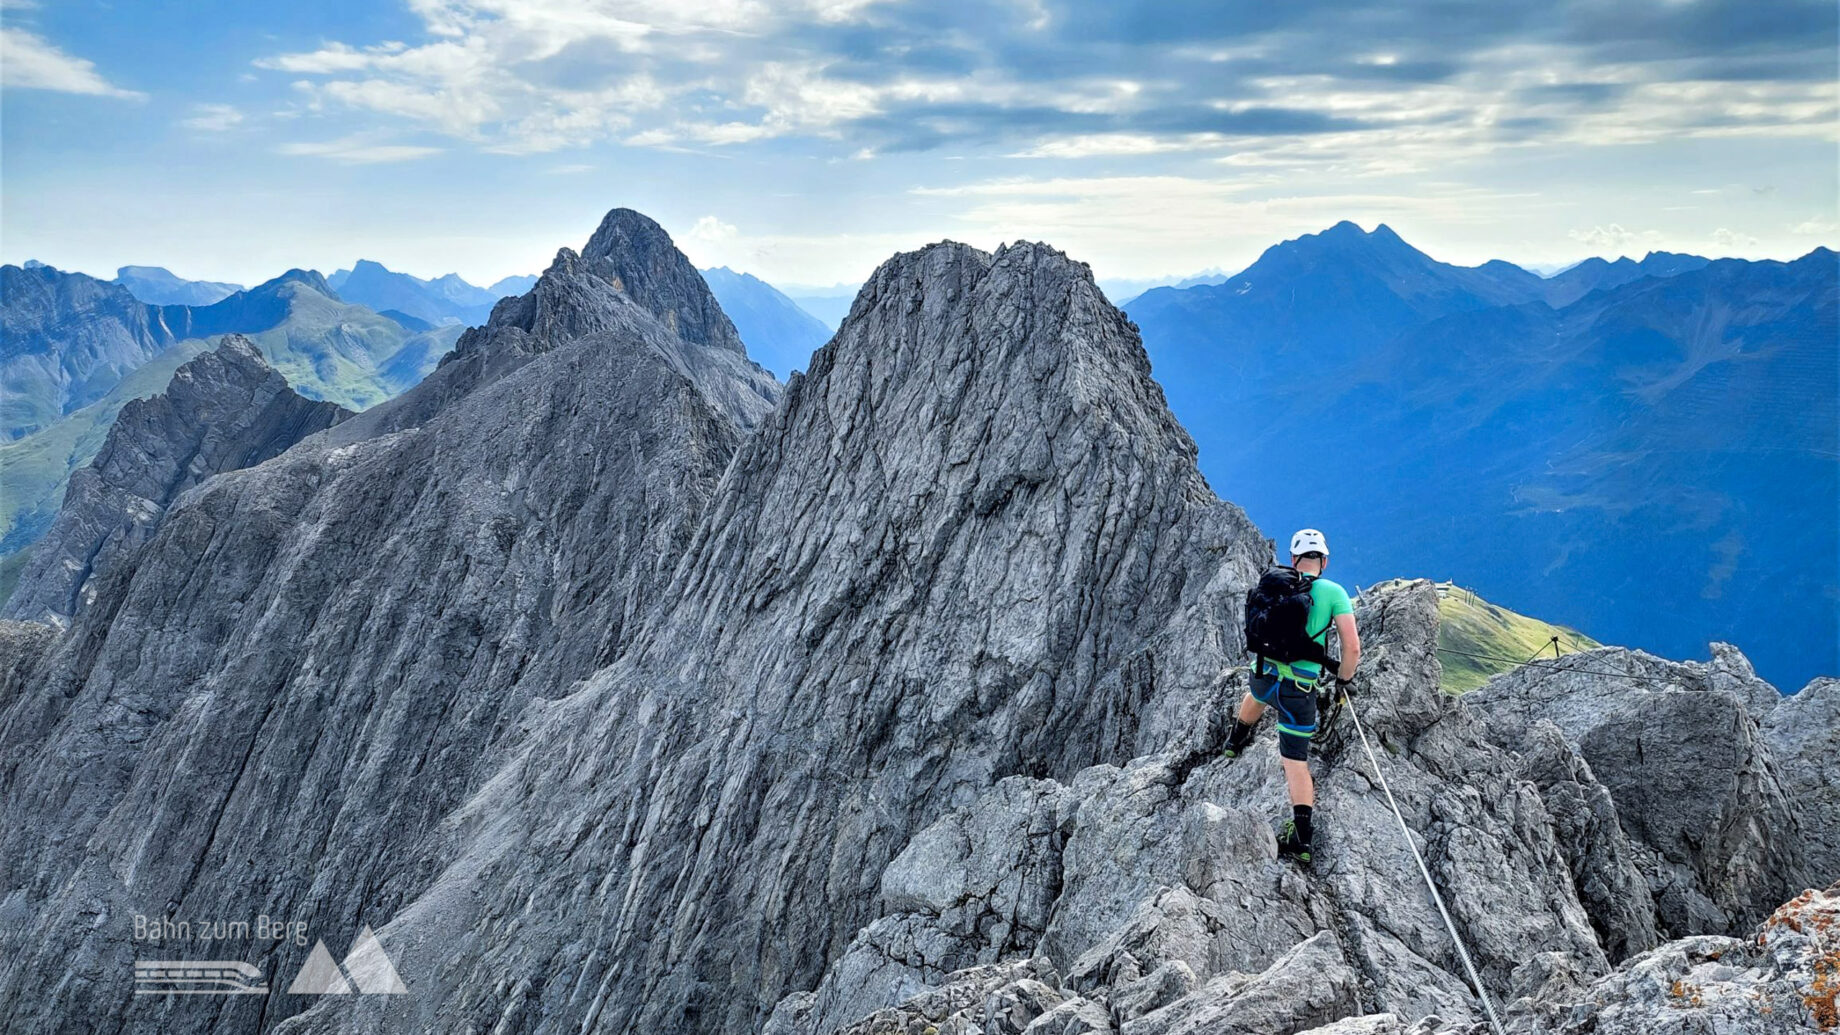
x=628, y=264
x=22, y=646
x=999, y=999
x=225, y=410
x=1694, y=782
x=1803, y=733
x=1306, y=987
x=1372, y=1024
x=557, y=668
x=1610, y=884
x=1781, y=979
x=970, y=543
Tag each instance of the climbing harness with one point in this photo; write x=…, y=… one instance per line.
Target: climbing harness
x=1450, y=925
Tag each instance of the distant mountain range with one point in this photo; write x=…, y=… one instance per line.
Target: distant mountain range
x=443, y=300
x=79, y=348
x=1644, y=451
x=829, y=305
x=780, y=335
x=1125, y=289
x=159, y=285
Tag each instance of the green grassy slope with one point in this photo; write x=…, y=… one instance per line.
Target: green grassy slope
x=342, y=353
x=1472, y=624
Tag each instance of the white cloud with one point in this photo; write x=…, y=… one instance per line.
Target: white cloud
x=30, y=62
x=1733, y=239
x=1092, y=144
x=709, y=228
x=213, y=118
x=358, y=150
x=1613, y=240
x=1125, y=225
x=522, y=76
x=1816, y=227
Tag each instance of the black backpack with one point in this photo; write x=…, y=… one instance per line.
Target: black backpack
x=1278, y=619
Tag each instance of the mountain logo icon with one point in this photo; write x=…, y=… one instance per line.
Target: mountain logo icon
x=366, y=967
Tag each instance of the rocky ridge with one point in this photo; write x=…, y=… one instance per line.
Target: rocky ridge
x=224, y=410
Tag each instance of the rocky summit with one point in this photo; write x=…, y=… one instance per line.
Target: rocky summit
x=617, y=687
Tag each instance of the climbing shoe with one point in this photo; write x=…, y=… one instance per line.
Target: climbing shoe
x=1292, y=846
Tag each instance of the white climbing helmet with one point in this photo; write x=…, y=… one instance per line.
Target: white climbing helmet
x=1309, y=541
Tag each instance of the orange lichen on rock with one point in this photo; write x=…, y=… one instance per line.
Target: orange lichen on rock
x=1822, y=992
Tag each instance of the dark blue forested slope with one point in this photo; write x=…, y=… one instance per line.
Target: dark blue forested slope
x=1654, y=462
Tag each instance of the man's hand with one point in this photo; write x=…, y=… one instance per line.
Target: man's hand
x=1344, y=687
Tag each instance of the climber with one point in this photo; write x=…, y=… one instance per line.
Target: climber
x=1288, y=616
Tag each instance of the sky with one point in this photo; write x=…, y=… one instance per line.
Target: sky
x=806, y=142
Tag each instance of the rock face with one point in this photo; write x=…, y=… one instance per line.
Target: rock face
x=588, y=294
x=967, y=544
x=1804, y=736
x=1783, y=979
x=225, y=410
x=1715, y=834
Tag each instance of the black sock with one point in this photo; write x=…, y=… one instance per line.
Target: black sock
x=1300, y=815
x=1241, y=735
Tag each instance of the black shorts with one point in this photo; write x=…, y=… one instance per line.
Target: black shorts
x=1296, y=706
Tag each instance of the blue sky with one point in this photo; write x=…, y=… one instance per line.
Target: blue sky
x=805, y=142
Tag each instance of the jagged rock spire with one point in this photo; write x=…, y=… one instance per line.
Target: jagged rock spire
x=224, y=410
x=639, y=258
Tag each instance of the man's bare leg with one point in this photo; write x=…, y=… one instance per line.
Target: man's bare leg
x=1297, y=778
x=1250, y=710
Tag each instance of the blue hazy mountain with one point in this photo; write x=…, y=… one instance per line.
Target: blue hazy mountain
x=66, y=339
x=1653, y=463
x=1580, y=279
x=779, y=334
x=512, y=286
x=828, y=305
x=158, y=285
x=1122, y=290
x=443, y=300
